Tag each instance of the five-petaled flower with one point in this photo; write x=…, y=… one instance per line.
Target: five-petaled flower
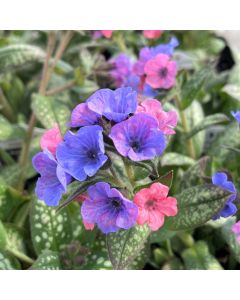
x=220, y=179
x=138, y=138
x=53, y=181
x=83, y=116
x=108, y=208
x=154, y=204
x=166, y=120
x=82, y=154
x=161, y=72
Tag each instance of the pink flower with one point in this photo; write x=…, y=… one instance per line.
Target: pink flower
x=153, y=205
x=166, y=120
x=236, y=229
x=81, y=198
x=152, y=34
x=161, y=72
x=107, y=33
x=50, y=139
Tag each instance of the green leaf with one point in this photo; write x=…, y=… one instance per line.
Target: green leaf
x=3, y=236
x=230, y=238
x=207, y=122
x=49, y=230
x=176, y=159
x=193, y=175
x=7, y=262
x=192, y=87
x=17, y=55
x=161, y=235
x=232, y=90
x=199, y=258
x=197, y=205
x=124, y=246
x=50, y=111
x=165, y=180
x=9, y=132
x=48, y=260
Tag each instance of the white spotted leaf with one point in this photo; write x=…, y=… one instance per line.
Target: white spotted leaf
x=49, y=230
x=124, y=246
x=48, y=260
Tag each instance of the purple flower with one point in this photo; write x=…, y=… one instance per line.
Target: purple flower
x=236, y=115
x=53, y=181
x=138, y=137
x=147, y=53
x=108, y=208
x=82, y=154
x=114, y=105
x=83, y=116
x=220, y=179
x=122, y=69
x=134, y=82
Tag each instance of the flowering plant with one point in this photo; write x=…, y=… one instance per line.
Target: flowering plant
x=130, y=158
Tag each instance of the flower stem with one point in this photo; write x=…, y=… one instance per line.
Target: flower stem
x=130, y=171
x=21, y=256
x=190, y=147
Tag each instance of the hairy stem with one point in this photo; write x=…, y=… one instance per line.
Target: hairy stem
x=42, y=88
x=190, y=147
x=21, y=256
x=61, y=88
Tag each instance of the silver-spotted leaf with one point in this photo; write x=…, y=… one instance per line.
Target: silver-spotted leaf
x=197, y=205
x=48, y=260
x=124, y=246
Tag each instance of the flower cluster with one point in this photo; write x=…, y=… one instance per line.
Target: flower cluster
x=137, y=131
x=154, y=68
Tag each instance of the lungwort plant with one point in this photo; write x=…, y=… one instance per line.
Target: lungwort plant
x=118, y=150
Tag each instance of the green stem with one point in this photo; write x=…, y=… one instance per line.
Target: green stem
x=130, y=172
x=21, y=256
x=190, y=147
x=121, y=43
x=169, y=248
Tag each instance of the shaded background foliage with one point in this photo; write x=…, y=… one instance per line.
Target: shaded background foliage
x=35, y=236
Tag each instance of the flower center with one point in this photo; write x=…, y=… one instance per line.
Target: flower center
x=135, y=145
x=92, y=155
x=163, y=72
x=116, y=202
x=150, y=205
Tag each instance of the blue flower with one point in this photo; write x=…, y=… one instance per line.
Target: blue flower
x=53, y=181
x=220, y=179
x=165, y=48
x=108, y=208
x=138, y=137
x=236, y=115
x=83, y=116
x=113, y=105
x=82, y=154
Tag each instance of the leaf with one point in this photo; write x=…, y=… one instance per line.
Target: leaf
x=199, y=258
x=165, y=180
x=48, y=260
x=176, y=159
x=124, y=246
x=7, y=262
x=197, y=205
x=230, y=137
x=49, y=230
x=9, y=132
x=50, y=111
x=195, y=115
x=207, y=122
x=233, y=90
x=193, y=86
x=230, y=238
x=3, y=236
x=17, y=55
x=161, y=235
x=10, y=199
x=192, y=176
